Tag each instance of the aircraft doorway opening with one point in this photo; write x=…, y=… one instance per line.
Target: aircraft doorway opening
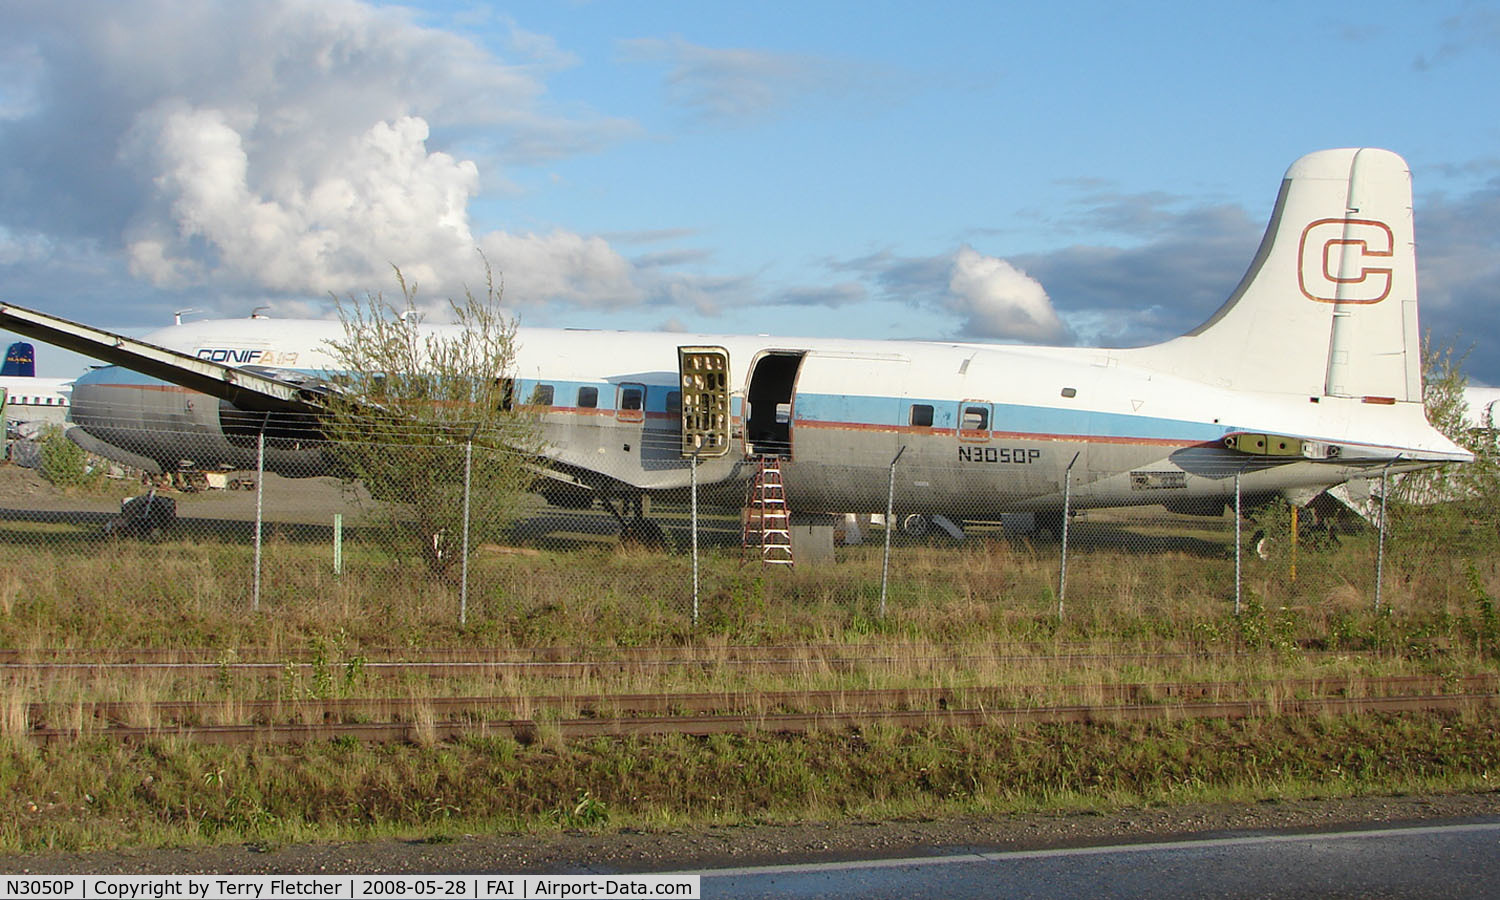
x=768, y=431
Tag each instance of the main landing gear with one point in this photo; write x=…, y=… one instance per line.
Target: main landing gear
x=637, y=529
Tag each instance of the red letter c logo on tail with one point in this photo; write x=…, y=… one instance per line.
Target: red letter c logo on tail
x=1346, y=261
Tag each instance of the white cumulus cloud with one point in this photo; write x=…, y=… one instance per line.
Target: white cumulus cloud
x=288, y=147
x=997, y=300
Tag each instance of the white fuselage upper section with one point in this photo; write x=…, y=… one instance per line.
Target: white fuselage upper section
x=36, y=399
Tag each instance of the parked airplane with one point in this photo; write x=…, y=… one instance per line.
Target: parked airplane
x=27, y=397
x=1483, y=407
x=1307, y=377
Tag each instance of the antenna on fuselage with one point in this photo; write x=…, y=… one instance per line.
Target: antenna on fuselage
x=255, y=313
x=177, y=316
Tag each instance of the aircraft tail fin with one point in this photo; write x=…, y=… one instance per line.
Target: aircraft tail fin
x=1329, y=306
x=20, y=360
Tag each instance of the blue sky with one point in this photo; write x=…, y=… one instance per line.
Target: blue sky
x=1078, y=173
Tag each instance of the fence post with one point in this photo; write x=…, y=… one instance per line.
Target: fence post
x=260, y=490
x=463, y=576
x=1238, y=512
x=1062, y=578
x=694, y=518
x=890, y=525
x=1296, y=536
x=1385, y=490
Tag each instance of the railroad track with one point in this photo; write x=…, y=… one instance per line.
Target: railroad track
x=207, y=656
x=643, y=704
x=593, y=668
x=417, y=719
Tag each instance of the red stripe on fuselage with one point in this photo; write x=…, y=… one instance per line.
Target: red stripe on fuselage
x=856, y=427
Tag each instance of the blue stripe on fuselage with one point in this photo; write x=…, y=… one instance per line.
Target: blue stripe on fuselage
x=843, y=409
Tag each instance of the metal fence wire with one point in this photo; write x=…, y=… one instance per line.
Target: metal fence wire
x=444, y=536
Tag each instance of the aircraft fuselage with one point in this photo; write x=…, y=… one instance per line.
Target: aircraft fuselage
x=981, y=429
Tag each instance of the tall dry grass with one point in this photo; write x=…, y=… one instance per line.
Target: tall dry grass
x=951, y=609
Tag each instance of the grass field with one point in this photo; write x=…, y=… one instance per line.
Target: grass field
x=1131, y=584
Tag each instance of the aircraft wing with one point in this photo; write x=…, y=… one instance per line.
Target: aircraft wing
x=247, y=390
x=252, y=390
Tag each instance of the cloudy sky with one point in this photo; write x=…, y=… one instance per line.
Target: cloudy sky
x=1078, y=173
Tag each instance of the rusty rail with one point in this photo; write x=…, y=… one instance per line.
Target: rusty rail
x=408, y=708
x=580, y=669
x=527, y=729
x=687, y=653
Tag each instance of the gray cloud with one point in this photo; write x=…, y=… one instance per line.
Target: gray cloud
x=993, y=298
x=1458, y=262
x=834, y=295
x=1176, y=265
x=1476, y=28
x=730, y=85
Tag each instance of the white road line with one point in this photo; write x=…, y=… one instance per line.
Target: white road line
x=1013, y=855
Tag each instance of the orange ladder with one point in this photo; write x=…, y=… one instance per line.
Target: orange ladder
x=767, y=522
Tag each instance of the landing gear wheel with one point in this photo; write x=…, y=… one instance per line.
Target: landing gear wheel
x=916, y=526
x=644, y=533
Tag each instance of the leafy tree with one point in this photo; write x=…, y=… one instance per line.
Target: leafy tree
x=1448, y=512
x=411, y=401
x=1476, y=485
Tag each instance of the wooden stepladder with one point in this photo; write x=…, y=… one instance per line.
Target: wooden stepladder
x=767, y=522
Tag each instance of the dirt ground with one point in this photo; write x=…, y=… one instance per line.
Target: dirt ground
x=306, y=500
x=642, y=851
x=26, y=489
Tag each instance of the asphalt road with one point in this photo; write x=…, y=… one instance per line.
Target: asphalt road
x=1448, y=860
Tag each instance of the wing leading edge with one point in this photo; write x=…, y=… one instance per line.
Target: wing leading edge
x=247, y=390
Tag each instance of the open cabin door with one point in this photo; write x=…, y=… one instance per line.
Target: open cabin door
x=768, y=398
x=703, y=374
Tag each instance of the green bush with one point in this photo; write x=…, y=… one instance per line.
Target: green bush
x=64, y=463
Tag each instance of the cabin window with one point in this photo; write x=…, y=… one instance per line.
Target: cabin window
x=974, y=421
x=507, y=390
x=632, y=403
x=674, y=402
x=632, y=397
x=588, y=397
x=921, y=415
x=541, y=395
x=1070, y=392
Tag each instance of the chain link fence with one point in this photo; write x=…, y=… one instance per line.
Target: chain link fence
x=527, y=567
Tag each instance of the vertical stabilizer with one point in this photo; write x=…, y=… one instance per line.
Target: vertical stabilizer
x=20, y=360
x=1329, y=306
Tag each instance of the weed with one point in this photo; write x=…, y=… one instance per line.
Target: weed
x=224, y=673
x=10, y=588
x=586, y=812
x=1486, y=626
x=1251, y=623
x=322, y=673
